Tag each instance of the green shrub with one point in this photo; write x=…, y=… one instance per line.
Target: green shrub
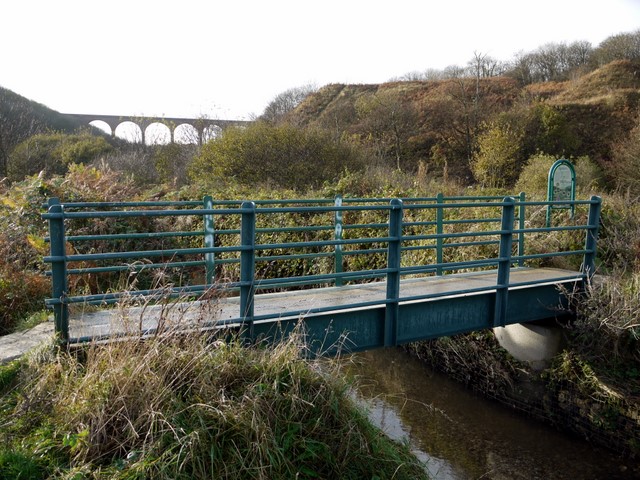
x=495, y=165
x=548, y=130
x=283, y=156
x=53, y=152
x=534, y=177
x=625, y=168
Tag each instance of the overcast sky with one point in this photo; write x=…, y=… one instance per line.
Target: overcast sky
x=228, y=59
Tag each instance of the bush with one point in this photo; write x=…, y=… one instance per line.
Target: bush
x=149, y=165
x=284, y=156
x=23, y=285
x=53, y=153
x=548, y=130
x=21, y=293
x=534, y=177
x=495, y=165
x=625, y=168
x=619, y=236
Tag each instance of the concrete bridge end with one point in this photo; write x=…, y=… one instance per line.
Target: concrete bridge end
x=535, y=344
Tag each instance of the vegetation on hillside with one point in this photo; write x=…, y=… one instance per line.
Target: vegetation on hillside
x=450, y=120
x=21, y=118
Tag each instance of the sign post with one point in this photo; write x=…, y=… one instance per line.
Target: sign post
x=562, y=186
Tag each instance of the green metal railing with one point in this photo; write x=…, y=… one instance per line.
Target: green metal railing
x=415, y=236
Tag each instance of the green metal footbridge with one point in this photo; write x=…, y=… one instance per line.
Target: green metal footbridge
x=350, y=273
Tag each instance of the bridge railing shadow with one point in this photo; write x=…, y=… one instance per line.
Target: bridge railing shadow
x=102, y=253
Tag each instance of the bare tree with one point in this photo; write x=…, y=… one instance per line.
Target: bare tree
x=484, y=66
x=389, y=119
x=623, y=46
x=285, y=102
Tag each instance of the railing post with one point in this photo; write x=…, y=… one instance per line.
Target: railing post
x=59, y=279
x=247, y=266
x=439, y=231
x=209, y=241
x=393, y=274
x=593, y=225
x=521, y=226
x=337, y=222
x=504, y=263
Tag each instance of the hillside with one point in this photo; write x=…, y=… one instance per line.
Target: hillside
x=439, y=122
x=21, y=118
x=18, y=108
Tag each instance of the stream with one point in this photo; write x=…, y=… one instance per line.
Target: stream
x=461, y=435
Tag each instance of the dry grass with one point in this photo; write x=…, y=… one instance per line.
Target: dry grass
x=185, y=406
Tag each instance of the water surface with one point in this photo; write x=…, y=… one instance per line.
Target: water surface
x=462, y=435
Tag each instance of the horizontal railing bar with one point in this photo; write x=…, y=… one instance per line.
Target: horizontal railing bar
x=455, y=205
x=479, y=197
x=294, y=257
x=471, y=221
x=132, y=236
x=159, y=203
x=273, y=282
x=472, y=201
x=544, y=203
x=453, y=245
x=360, y=208
x=159, y=293
x=131, y=267
x=550, y=229
x=452, y=265
x=310, y=228
x=201, y=212
x=140, y=267
x=129, y=236
x=327, y=243
x=429, y=223
x=144, y=213
x=364, y=252
x=549, y=255
x=418, y=247
x=355, y=226
x=143, y=254
x=434, y=236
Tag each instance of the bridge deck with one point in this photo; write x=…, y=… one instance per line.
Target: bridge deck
x=132, y=319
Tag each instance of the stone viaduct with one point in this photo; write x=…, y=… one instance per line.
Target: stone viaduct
x=203, y=126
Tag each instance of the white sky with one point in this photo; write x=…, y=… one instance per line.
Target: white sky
x=227, y=59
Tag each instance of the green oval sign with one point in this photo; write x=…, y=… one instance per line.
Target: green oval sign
x=562, y=186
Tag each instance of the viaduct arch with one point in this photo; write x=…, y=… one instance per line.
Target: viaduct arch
x=199, y=124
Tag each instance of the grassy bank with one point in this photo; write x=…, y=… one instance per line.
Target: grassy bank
x=179, y=407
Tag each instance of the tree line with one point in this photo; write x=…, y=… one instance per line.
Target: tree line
x=552, y=62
